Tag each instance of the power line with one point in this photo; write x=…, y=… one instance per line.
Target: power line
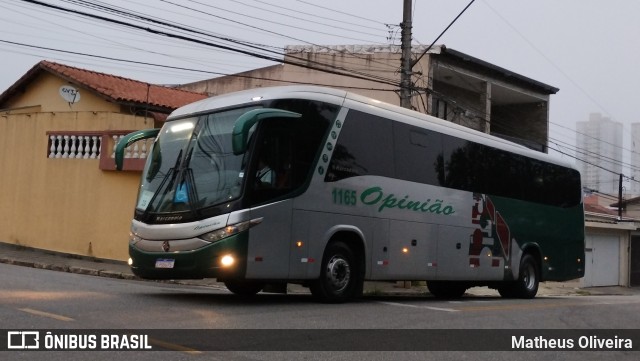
x=341, y=12
x=109, y=39
x=257, y=18
x=386, y=65
x=314, y=15
x=198, y=31
x=576, y=149
x=338, y=71
x=197, y=41
x=461, y=104
x=444, y=31
x=179, y=68
x=307, y=20
x=594, y=138
x=543, y=54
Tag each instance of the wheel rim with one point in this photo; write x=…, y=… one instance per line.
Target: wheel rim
x=338, y=273
x=529, y=277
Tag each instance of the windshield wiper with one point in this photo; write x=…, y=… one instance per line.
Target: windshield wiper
x=185, y=176
x=170, y=173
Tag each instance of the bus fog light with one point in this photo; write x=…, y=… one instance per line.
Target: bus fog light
x=227, y=260
x=130, y=261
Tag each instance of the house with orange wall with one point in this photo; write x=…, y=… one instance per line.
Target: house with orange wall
x=59, y=187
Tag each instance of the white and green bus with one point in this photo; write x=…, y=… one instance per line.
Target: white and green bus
x=329, y=189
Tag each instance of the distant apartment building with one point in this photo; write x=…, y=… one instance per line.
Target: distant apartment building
x=634, y=186
x=599, y=144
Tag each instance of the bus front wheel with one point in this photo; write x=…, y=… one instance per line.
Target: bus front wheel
x=243, y=287
x=338, y=281
x=528, y=280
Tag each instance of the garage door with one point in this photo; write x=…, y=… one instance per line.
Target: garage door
x=602, y=260
x=634, y=266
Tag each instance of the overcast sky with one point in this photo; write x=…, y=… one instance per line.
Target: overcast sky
x=586, y=48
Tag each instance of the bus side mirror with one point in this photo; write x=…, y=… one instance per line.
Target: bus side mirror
x=128, y=140
x=243, y=124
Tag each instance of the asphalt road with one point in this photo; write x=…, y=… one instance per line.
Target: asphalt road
x=46, y=300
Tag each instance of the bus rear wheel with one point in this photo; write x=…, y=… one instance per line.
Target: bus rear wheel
x=528, y=280
x=446, y=290
x=243, y=287
x=339, y=275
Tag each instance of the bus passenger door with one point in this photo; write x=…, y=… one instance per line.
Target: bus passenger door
x=268, y=253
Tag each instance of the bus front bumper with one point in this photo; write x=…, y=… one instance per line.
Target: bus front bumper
x=204, y=262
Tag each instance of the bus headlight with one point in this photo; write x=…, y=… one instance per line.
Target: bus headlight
x=230, y=230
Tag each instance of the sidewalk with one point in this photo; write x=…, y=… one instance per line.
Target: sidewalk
x=55, y=261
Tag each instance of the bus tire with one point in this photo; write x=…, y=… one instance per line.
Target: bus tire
x=243, y=287
x=528, y=280
x=446, y=290
x=339, y=275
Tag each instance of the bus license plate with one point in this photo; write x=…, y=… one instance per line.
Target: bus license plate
x=165, y=263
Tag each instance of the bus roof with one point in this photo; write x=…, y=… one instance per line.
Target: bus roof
x=258, y=94
x=362, y=103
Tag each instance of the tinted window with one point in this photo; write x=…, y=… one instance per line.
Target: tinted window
x=372, y=145
x=365, y=147
x=478, y=168
x=552, y=184
x=418, y=154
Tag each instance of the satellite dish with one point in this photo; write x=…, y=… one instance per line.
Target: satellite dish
x=70, y=94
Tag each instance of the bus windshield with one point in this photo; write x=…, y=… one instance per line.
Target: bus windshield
x=192, y=165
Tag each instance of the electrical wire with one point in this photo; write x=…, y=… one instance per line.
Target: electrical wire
x=120, y=11
x=260, y=19
x=354, y=55
x=318, y=67
x=306, y=20
x=181, y=68
x=340, y=12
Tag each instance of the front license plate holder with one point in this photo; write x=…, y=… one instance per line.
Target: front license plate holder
x=165, y=263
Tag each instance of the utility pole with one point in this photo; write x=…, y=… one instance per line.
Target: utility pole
x=620, y=198
x=406, y=68
x=405, y=71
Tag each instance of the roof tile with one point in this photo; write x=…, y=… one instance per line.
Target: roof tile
x=114, y=88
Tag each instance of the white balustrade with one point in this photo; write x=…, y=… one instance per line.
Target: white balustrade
x=59, y=147
x=116, y=139
x=94, y=147
x=52, y=148
x=73, y=147
x=65, y=148
x=90, y=146
x=87, y=147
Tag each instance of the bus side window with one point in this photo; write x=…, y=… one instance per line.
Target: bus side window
x=285, y=155
x=418, y=154
x=365, y=147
